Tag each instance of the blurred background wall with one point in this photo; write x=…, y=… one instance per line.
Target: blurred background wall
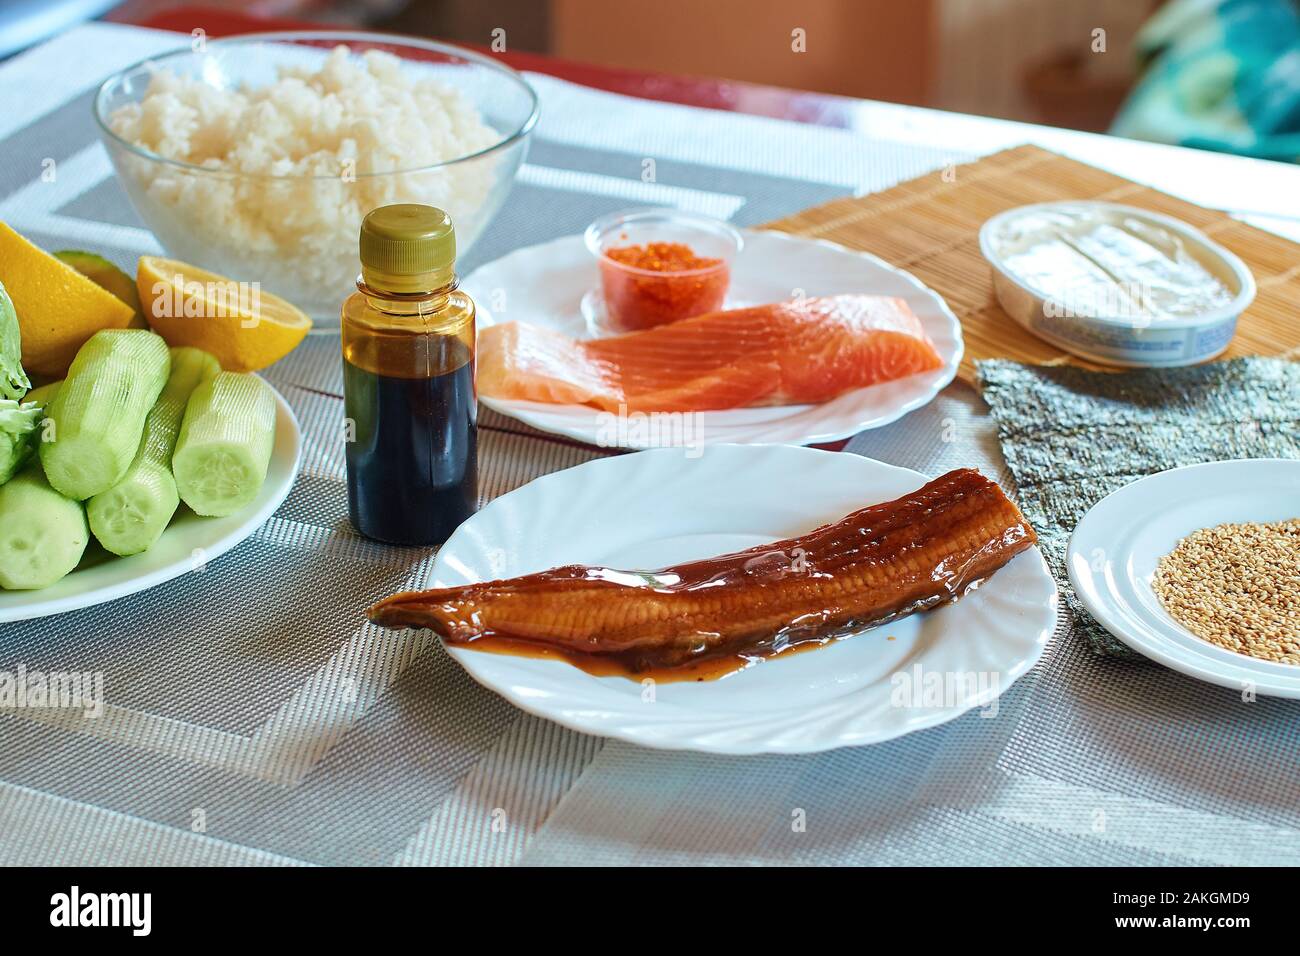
x=1019, y=59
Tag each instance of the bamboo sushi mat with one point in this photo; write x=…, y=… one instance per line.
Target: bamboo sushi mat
x=930, y=227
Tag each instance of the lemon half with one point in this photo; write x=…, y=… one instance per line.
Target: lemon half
x=245, y=327
x=58, y=308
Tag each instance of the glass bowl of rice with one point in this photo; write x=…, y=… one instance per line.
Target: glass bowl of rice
x=256, y=157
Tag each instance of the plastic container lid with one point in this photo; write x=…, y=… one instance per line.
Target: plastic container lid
x=1140, y=338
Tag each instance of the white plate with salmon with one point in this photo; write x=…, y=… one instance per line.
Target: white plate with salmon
x=814, y=343
x=753, y=599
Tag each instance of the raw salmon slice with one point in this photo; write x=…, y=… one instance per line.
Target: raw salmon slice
x=787, y=353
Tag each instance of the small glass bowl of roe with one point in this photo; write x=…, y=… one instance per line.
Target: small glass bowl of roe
x=661, y=265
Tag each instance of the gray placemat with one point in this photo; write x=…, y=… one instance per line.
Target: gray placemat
x=1072, y=436
x=250, y=717
x=250, y=712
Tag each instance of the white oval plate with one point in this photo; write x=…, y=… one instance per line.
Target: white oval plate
x=545, y=285
x=1114, y=551
x=657, y=507
x=188, y=540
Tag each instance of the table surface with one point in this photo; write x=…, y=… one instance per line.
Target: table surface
x=297, y=742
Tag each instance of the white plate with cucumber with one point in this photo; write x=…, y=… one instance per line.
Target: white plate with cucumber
x=149, y=463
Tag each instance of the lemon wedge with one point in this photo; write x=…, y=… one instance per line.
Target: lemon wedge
x=245, y=327
x=58, y=308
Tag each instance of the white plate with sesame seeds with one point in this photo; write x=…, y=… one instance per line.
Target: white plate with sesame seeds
x=1116, y=548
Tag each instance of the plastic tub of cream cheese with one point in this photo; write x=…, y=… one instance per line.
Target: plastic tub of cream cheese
x=1116, y=284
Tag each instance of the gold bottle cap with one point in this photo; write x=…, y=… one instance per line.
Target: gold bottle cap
x=407, y=247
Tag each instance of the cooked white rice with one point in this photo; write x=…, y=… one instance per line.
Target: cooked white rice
x=351, y=117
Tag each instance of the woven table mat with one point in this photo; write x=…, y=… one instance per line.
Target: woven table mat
x=930, y=227
x=1072, y=436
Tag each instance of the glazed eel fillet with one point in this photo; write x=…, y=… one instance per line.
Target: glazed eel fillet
x=888, y=560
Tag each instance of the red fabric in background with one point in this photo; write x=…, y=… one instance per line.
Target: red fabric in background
x=708, y=92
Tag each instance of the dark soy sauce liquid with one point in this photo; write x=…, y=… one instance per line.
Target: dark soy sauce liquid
x=413, y=460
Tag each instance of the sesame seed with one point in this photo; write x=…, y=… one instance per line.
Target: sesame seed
x=1238, y=587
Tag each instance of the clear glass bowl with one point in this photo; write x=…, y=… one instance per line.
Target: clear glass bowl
x=297, y=235
x=639, y=298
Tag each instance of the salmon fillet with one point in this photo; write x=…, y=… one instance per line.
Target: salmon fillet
x=787, y=353
x=919, y=551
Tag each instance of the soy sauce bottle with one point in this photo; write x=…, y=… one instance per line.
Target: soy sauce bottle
x=408, y=381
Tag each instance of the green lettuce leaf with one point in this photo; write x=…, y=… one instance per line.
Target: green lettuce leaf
x=19, y=433
x=13, y=380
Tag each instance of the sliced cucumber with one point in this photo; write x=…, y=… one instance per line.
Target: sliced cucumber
x=133, y=514
x=43, y=394
x=98, y=414
x=225, y=444
x=42, y=533
x=190, y=368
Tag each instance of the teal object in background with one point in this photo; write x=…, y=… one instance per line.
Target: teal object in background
x=1221, y=75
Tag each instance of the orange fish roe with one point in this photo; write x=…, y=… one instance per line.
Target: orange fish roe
x=661, y=257
x=660, y=282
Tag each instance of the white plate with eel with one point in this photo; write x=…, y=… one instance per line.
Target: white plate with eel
x=656, y=508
